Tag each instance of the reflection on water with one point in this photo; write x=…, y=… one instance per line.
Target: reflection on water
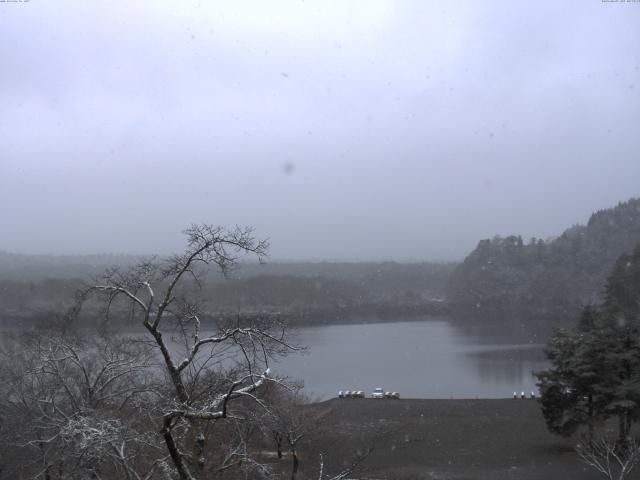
x=424, y=359
x=508, y=366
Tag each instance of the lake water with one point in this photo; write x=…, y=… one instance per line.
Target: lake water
x=433, y=358
x=418, y=359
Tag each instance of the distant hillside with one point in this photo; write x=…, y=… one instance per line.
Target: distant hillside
x=42, y=286
x=546, y=282
x=33, y=268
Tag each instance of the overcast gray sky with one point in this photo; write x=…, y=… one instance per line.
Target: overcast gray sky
x=341, y=130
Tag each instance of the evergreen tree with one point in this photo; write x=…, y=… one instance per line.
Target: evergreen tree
x=620, y=375
x=595, y=372
x=622, y=293
x=569, y=391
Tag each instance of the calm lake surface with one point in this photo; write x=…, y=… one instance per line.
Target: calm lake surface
x=432, y=358
x=418, y=359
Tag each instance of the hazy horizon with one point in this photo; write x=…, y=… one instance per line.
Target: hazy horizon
x=402, y=131
x=270, y=258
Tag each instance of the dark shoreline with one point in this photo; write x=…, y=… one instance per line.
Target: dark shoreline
x=450, y=439
x=338, y=315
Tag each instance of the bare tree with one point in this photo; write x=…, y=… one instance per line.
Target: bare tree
x=288, y=422
x=347, y=472
x=610, y=458
x=296, y=424
x=67, y=401
x=206, y=372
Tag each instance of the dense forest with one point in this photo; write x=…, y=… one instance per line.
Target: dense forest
x=39, y=288
x=595, y=373
x=544, y=282
x=535, y=282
